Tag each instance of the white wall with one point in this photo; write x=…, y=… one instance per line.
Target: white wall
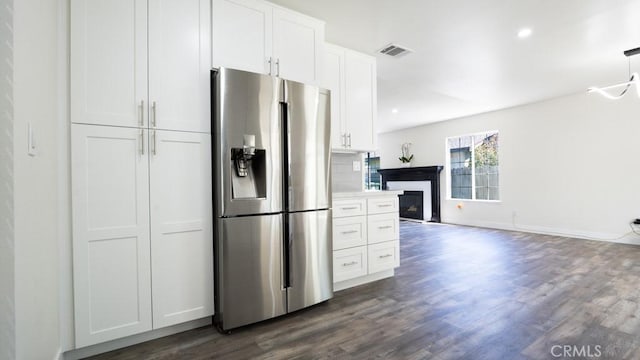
x=7, y=288
x=568, y=165
x=36, y=178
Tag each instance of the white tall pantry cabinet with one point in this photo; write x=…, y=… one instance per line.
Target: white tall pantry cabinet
x=141, y=165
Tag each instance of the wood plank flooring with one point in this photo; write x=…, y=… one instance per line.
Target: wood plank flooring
x=460, y=293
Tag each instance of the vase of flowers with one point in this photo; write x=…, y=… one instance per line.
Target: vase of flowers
x=406, y=157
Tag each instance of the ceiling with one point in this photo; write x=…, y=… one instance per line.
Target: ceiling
x=468, y=58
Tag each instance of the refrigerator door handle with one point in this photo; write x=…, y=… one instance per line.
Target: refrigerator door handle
x=286, y=253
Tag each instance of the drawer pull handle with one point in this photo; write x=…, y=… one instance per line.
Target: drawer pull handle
x=349, y=232
x=385, y=256
x=349, y=208
x=350, y=263
x=385, y=227
x=384, y=205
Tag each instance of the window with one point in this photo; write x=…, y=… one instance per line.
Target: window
x=371, y=176
x=473, y=166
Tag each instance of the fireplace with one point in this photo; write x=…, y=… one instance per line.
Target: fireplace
x=411, y=205
x=428, y=176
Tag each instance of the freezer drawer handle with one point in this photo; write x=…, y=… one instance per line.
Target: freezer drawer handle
x=349, y=232
x=349, y=208
x=350, y=263
x=385, y=256
x=385, y=227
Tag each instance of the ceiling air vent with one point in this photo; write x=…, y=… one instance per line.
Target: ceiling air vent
x=395, y=50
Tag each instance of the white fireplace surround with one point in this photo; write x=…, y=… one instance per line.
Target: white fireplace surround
x=424, y=186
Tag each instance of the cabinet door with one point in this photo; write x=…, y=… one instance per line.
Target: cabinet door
x=360, y=98
x=181, y=227
x=179, y=64
x=298, y=46
x=109, y=62
x=334, y=80
x=242, y=31
x=111, y=265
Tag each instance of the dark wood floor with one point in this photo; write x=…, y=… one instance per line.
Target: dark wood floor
x=460, y=293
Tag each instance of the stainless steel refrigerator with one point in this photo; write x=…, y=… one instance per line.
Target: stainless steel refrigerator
x=272, y=195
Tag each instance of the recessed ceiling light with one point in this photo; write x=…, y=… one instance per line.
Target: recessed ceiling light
x=524, y=33
x=395, y=111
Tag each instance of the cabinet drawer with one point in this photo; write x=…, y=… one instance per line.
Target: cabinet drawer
x=353, y=207
x=349, y=232
x=384, y=256
x=383, y=227
x=349, y=263
x=382, y=205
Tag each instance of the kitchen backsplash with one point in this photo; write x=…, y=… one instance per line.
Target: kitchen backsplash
x=344, y=178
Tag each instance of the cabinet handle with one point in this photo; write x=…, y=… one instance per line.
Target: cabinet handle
x=385, y=227
x=141, y=114
x=155, y=111
x=349, y=208
x=350, y=263
x=155, y=144
x=349, y=137
x=344, y=140
x=349, y=232
x=277, y=67
x=384, y=256
x=141, y=142
x=384, y=205
x=269, y=60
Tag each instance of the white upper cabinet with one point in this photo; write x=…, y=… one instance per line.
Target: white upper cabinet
x=361, y=100
x=181, y=227
x=242, y=35
x=351, y=77
x=254, y=35
x=334, y=80
x=180, y=64
x=298, y=46
x=116, y=81
x=109, y=62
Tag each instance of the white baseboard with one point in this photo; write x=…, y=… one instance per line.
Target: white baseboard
x=132, y=340
x=363, y=280
x=628, y=238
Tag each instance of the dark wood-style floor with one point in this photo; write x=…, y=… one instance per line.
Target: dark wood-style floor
x=460, y=293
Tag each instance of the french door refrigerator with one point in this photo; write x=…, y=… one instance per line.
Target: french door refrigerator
x=272, y=195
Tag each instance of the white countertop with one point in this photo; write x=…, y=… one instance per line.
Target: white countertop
x=366, y=194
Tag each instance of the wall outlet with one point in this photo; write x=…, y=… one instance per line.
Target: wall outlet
x=356, y=165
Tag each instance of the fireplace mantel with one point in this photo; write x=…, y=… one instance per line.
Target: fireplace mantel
x=422, y=173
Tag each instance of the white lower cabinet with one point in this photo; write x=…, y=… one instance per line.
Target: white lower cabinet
x=142, y=229
x=181, y=230
x=349, y=263
x=383, y=256
x=365, y=238
x=383, y=227
x=349, y=232
x=111, y=260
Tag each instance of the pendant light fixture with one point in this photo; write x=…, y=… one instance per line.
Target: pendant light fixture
x=634, y=79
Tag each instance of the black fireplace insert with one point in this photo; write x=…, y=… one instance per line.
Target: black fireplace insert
x=411, y=205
